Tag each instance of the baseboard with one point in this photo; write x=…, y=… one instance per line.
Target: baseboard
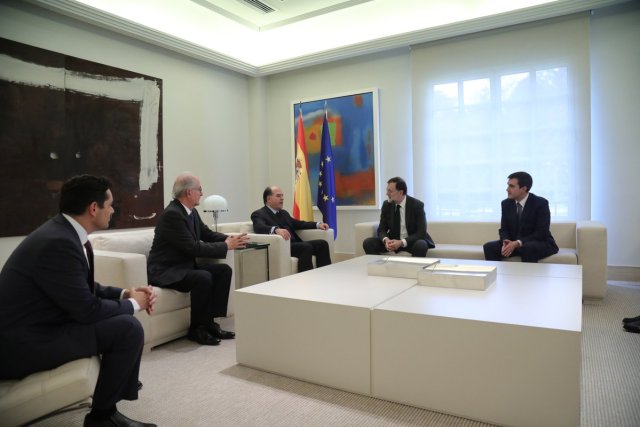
x=623, y=274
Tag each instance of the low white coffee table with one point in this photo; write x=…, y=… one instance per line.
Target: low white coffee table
x=315, y=325
x=509, y=355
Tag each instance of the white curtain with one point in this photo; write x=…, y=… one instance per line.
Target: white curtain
x=493, y=103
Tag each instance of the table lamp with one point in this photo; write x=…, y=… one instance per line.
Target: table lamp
x=215, y=204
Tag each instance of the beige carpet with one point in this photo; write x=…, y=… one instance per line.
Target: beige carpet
x=190, y=385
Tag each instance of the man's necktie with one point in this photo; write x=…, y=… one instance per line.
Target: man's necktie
x=395, y=229
x=91, y=279
x=192, y=221
x=518, y=215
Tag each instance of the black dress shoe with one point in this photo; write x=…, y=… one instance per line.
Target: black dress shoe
x=139, y=385
x=632, y=327
x=115, y=420
x=631, y=319
x=201, y=335
x=218, y=332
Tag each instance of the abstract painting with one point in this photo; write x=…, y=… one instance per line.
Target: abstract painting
x=62, y=116
x=353, y=125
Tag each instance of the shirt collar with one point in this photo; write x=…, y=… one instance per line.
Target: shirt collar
x=523, y=201
x=82, y=233
x=404, y=202
x=186, y=208
x=271, y=209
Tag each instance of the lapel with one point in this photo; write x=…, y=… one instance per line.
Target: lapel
x=186, y=218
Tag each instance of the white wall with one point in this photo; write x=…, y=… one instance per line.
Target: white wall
x=615, y=110
x=390, y=73
x=205, y=108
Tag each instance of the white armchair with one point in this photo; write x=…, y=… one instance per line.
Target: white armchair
x=281, y=263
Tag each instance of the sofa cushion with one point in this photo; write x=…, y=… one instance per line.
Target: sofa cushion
x=138, y=241
x=170, y=300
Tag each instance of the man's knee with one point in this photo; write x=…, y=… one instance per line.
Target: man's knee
x=419, y=248
x=371, y=246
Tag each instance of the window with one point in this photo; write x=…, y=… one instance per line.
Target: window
x=481, y=127
x=493, y=103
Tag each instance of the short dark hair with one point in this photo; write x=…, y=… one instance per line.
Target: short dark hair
x=524, y=179
x=400, y=184
x=266, y=193
x=79, y=192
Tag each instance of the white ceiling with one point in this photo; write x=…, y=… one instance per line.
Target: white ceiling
x=299, y=33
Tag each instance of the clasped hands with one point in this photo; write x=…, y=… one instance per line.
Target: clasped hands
x=392, y=245
x=145, y=296
x=508, y=246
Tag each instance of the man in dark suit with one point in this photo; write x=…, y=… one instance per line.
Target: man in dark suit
x=272, y=219
x=53, y=312
x=524, y=228
x=403, y=224
x=181, y=237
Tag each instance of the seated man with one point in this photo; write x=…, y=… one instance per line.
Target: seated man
x=52, y=311
x=403, y=224
x=181, y=237
x=524, y=228
x=272, y=219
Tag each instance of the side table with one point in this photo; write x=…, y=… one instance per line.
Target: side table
x=251, y=265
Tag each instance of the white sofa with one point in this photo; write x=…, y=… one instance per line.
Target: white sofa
x=281, y=263
x=121, y=260
x=45, y=392
x=582, y=242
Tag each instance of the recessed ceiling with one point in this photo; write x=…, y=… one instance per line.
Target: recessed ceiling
x=238, y=35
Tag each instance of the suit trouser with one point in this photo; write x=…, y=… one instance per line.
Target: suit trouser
x=305, y=250
x=530, y=252
x=120, y=340
x=374, y=246
x=209, y=286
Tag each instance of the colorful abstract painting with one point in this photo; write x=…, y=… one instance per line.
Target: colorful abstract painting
x=352, y=122
x=62, y=116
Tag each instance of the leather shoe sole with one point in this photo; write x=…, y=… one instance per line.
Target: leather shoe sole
x=631, y=319
x=116, y=419
x=632, y=327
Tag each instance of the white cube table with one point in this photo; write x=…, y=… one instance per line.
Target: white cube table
x=315, y=325
x=509, y=355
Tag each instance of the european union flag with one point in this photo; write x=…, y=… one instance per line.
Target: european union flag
x=326, y=181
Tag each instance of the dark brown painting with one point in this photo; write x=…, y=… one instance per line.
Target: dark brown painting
x=61, y=116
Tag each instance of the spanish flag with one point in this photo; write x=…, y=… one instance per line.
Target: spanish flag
x=302, y=207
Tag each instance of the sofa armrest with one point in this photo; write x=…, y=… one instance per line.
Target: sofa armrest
x=364, y=230
x=279, y=253
x=591, y=248
x=319, y=235
x=121, y=269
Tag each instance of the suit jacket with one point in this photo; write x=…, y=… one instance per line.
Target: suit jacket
x=176, y=245
x=47, y=305
x=415, y=220
x=535, y=221
x=263, y=220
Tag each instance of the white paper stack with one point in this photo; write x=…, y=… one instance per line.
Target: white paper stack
x=475, y=277
x=399, y=266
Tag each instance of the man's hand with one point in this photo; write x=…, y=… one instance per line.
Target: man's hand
x=145, y=296
x=237, y=241
x=323, y=226
x=508, y=246
x=284, y=233
x=392, y=245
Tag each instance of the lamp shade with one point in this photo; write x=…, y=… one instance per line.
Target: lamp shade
x=214, y=203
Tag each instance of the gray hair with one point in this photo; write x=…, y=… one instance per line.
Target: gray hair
x=185, y=181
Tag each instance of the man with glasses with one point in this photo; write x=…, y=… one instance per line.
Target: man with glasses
x=403, y=224
x=181, y=237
